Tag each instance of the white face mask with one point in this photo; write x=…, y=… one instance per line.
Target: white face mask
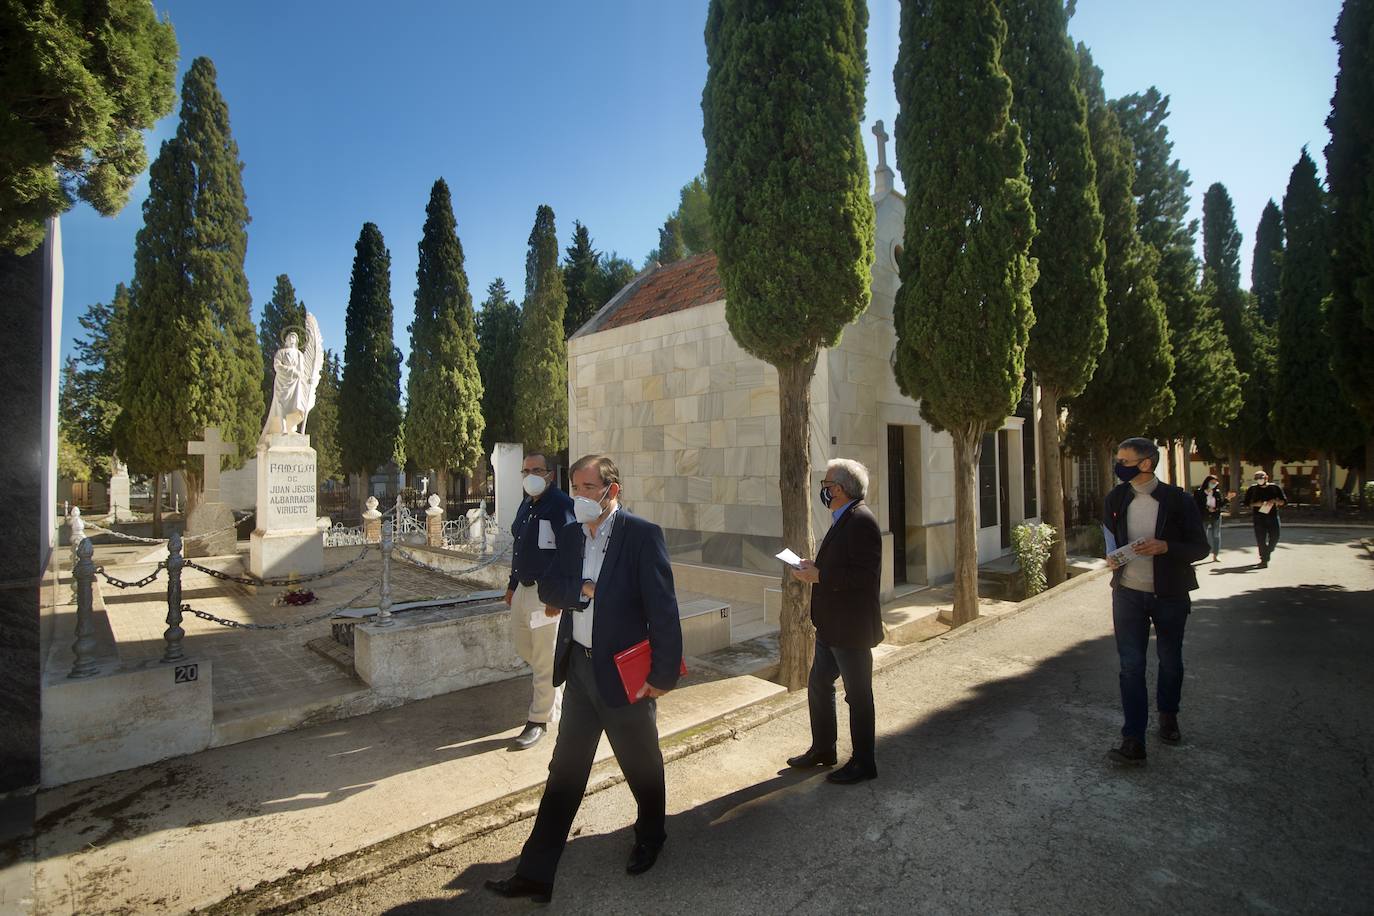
x=587, y=510
x=534, y=484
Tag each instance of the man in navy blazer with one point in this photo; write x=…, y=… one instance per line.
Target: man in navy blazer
x=614, y=581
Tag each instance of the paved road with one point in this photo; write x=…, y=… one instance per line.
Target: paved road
x=993, y=795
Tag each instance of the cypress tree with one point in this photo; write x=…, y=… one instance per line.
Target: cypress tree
x=670, y=246
x=1137, y=357
x=370, y=390
x=1069, y=299
x=1207, y=385
x=792, y=219
x=324, y=421
x=694, y=217
x=444, y=423
x=613, y=273
x=1264, y=263
x=1310, y=413
x=579, y=279
x=498, y=342
x=92, y=393
x=1247, y=436
x=541, y=363
x=192, y=357
x=282, y=312
x=79, y=82
x=1350, y=174
x=963, y=312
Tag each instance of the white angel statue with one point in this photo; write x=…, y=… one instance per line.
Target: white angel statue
x=297, y=378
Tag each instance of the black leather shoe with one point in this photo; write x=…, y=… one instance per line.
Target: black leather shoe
x=642, y=858
x=530, y=736
x=1168, y=728
x=852, y=772
x=812, y=758
x=1131, y=753
x=518, y=886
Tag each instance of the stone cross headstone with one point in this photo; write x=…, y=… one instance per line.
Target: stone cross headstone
x=212, y=447
x=210, y=525
x=883, y=137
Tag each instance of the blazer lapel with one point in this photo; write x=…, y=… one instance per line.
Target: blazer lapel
x=843, y=518
x=613, y=548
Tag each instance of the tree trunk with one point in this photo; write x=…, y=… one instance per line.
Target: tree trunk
x=967, y=442
x=1187, y=457
x=796, y=635
x=1056, y=567
x=1106, y=458
x=1171, y=460
x=1326, y=473
x=157, y=505
x=1234, y=486
x=441, y=486
x=194, y=494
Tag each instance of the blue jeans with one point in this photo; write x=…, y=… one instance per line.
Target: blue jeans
x=1214, y=533
x=1132, y=614
x=856, y=667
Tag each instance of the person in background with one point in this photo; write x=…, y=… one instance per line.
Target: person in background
x=845, y=580
x=1265, y=499
x=1211, y=502
x=545, y=511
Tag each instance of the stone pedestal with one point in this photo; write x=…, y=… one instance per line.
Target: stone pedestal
x=434, y=523
x=119, y=494
x=217, y=520
x=372, y=522
x=506, y=461
x=286, y=541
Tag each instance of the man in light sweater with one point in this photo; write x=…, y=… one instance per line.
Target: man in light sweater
x=1161, y=528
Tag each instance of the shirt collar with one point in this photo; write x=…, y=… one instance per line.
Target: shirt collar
x=836, y=513
x=604, y=530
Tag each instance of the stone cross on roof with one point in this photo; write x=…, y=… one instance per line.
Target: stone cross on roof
x=213, y=448
x=883, y=137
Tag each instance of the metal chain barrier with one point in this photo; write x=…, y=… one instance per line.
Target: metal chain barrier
x=288, y=625
x=290, y=580
x=140, y=540
x=121, y=583
x=403, y=554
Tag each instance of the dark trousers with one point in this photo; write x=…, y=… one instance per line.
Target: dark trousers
x=633, y=733
x=1266, y=533
x=855, y=666
x=1132, y=614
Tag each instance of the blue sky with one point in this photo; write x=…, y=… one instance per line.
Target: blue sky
x=346, y=112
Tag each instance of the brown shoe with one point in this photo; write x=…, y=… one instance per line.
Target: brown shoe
x=1168, y=728
x=1131, y=753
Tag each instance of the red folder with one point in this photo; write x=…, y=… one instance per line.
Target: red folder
x=633, y=665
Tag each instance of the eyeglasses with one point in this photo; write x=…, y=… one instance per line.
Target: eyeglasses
x=525, y=472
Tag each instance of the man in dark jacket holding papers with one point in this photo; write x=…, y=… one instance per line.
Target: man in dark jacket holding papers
x=1154, y=536
x=613, y=577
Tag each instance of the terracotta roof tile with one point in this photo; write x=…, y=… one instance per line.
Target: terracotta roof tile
x=677, y=287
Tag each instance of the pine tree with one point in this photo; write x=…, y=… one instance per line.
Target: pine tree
x=1069, y=299
x=579, y=279
x=1207, y=385
x=498, y=342
x=613, y=273
x=370, y=390
x=694, y=217
x=192, y=356
x=79, y=83
x=1350, y=173
x=963, y=311
x=281, y=313
x=792, y=219
x=1310, y=412
x=541, y=363
x=1264, y=263
x=92, y=394
x=323, y=425
x=444, y=423
x=1137, y=357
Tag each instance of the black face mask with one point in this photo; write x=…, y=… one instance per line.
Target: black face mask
x=1126, y=474
x=827, y=497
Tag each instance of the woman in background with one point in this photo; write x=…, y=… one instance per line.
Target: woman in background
x=1210, y=502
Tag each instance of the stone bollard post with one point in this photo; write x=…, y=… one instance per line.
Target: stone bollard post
x=384, y=605
x=76, y=528
x=84, y=573
x=434, y=522
x=174, y=633
x=372, y=522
